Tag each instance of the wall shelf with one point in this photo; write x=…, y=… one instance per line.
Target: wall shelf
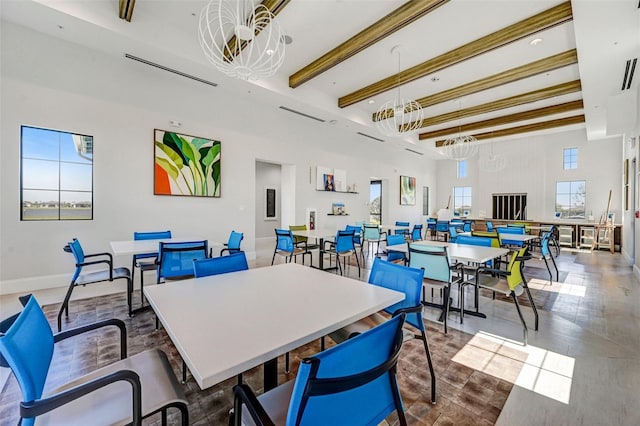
x=338, y=192
x=331, y=214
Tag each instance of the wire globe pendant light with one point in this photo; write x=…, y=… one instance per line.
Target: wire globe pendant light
x=399, y=116
x=493, y=162
x=240, y=39
x=461, y=147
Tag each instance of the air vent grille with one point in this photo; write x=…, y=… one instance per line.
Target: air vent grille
x=629, y=71
x=302, y=114
x=370, y=137
x=171, y=70
x=415, y=152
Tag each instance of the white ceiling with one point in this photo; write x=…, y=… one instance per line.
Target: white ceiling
x=605, y=32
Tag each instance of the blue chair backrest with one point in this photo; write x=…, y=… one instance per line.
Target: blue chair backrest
x=442, y=226
x=358, y=388
x=176, y=259
x=220, y=265
x=474, y=241
x=78, y=254
x=357, y=232
x=235, y=238
x=156, y=235
x=402, y=223
x=404, y=279
x=416, y=233
x=511, y=230
x=344, y=241
x=27, y=346
x=393, y=240
x=466, y=227
x=453, y=234
x=544, y=246
x=371, y=232
x=434, y=260
x=489, y=225
x=284, y=240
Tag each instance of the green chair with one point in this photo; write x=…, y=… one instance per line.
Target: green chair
x=299, y=240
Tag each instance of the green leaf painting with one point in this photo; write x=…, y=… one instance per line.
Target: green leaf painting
x=186, y=165
x=407, y=191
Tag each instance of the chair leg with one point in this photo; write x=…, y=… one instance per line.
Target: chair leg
x=433, y=374
x=546, y=263
x=445, y=307
x=184, y=372
x=556, y=268
x=130, y=296
x=65, y=306
x=357, y=263
x=163, y=412
x=287, y=363
x=396, y=396
x=339, y=264
x=525, y=331
x=273, y=258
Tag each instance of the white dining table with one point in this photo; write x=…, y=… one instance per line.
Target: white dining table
x=318, y=235
x=131, y=247
x=226, y=324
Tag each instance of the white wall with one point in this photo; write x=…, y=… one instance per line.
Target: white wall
x=534, y=165
x=51, y=83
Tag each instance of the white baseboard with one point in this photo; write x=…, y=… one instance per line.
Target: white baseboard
x=25, y=285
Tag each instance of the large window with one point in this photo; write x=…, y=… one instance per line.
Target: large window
x=56, y=175
x=375, y=202
x=570, y=158
x=462, y=200
x=570, y=199
x=509, y=206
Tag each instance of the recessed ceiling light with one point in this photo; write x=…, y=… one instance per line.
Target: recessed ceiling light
x=535, y=41
x=371, y=101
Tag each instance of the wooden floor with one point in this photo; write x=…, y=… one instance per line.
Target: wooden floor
x=581, y=368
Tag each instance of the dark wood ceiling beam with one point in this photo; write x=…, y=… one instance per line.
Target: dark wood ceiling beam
x=542, y=21
x=274, y=6
x=394, y=21
x=551, y=124
x=551, y=63
x=505, y=119
x=126, y=9
x=524, y=98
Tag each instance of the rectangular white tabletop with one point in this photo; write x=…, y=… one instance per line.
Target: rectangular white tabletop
x=315, y=233
x=467, y=253
x=523, y=238
x=223, y=325
x=131, y=247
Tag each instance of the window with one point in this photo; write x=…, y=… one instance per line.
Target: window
x=570, y=158
x=462, y=169
x=570, y=199
x=375, y=202
x=56, y=175
x=462, y=200
x=510, y=206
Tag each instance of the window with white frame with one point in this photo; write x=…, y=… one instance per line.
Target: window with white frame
x=462, y=200
x=570, y=158
x=462, y=169
x=56, y=175
x=570, y=199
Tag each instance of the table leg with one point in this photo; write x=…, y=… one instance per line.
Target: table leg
x=320, y=255
x=270, y=374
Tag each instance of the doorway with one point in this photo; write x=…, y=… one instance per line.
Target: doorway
x=375, y=202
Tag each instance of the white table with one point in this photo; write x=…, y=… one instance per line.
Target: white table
x=521, y=238
x=131, y=247
x=319, y=235
x=223, y=325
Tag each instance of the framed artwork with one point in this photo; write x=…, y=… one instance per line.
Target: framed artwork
x=186, y=165
x=329, y=183
x=270, y=204
x=312, y=215
x=425, y=201
x=407, y=191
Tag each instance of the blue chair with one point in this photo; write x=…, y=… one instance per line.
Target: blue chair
x=545, y=254
x=146, y=261
x=442, y=230
x=466, y=227
x=453, y=234
x=404, y=230
x=220, y=265
x=416, y=232
x=175, y=260
x=233, y=244
x=489, y=225
x=286, y=247
x=438, y=273
x=431, y=228
x=510, y=230
x=357, y=237
x=343, y=247
x=372, y=234
x=353, y=383
x=113, y=394
x=80, y=279
x=408, y=281
x=392, y=255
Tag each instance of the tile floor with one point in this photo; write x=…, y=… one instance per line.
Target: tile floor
x=580, y=368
